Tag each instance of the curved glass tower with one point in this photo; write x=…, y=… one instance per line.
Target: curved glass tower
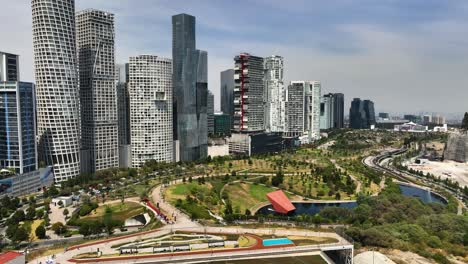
x=58, y=116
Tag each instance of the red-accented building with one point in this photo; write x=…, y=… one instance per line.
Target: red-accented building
x=280, y=202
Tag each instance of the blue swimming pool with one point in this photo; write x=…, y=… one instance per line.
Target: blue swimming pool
x=276, y=242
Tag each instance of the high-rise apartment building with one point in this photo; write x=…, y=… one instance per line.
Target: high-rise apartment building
x=332, y=111
x=227, y=94
x=248, y=93
x=98, y=97
x=17, y=118
x=210, y=113
x=361, y=114
x=275, y=94
x=190, y=82
x=123, y=113
x=150, y=90
x=58, y=116
x=9, y=67
x=313, y=93
x=303, y=110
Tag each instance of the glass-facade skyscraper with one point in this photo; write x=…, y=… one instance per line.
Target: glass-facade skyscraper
x=17, y=126
x=361, y=114
x=190, y=89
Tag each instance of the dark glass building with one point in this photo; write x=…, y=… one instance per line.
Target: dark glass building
x=227, y=94
x=17, y=126
x=338, y=113
x=190, y=89
x=361, y=114
x=222, y=124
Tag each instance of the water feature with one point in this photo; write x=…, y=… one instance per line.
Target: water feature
x=276, y=242
x=312, y=208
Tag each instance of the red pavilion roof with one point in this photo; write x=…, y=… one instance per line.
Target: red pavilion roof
x=281, y=203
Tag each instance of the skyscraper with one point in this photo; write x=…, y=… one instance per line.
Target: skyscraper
x=9, y=70
x=96, y=65
x=123, y=113
x=210, y=112
x=150, y=89
x=313, y=93
x=303, y=110
x=248, y=93
x=17, y=119
x=58, y=116
x=227, y=94
x=326, y=111
x=338, y=112
x=190, y=82
x=295, y=109
x=275, y=94
x=331, y=111
x=361, y=114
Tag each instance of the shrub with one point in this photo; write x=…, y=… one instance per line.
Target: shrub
x=40, y=232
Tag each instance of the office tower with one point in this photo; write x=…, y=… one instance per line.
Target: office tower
x=17, y=119
x=58, y=116
x=150, y=89
x=412, y=118
x=227, y=94
x=338, y=111
x=331, y=111
x=438, y=119
x=9, y=67
x=370, y=112
x=123, y=113
x=190, y=87
x=248, y=93
x=274, y=94
x=222, y=124
x=361, y=114
x=303, y=110
x=96, y=67
x=427, y=119
x=326, y=111
x=210, y=112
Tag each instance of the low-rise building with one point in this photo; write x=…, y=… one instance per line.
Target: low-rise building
x=12, y=257
x=255, y=143
x=15, y=185
x=411, y=127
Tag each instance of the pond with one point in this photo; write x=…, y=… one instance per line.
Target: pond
x=312, y=208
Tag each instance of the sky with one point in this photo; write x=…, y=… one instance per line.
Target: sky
x=408, y=56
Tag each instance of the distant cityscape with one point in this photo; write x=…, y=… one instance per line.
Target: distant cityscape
x=86, y=113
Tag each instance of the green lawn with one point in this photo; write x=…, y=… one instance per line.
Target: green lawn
x=120, y=211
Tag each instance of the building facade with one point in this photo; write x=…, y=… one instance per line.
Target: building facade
x=227, y=94
x=58, y=114
x=98, y=97
x=9, y=67
x=361, y=114
x=123, y=113
x=332, y=111
x=249, y=110
x=326, y=111
x=210, y=112
x=18, y=127
x=275, y=94
x=222, y=124
x=303, y=110
x=150, y=90
x=190, y=89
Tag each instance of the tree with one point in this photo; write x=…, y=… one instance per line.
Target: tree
x=40, y=214
x=17, y=234
x=59, y=228
x=40, y=232
x=65, y=213
x=30, y=213
x=465, y=121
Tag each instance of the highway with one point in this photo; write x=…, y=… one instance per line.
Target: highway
x=383, y=163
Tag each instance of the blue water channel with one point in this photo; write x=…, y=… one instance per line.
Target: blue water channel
x=424, y=195
x=276, y=242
